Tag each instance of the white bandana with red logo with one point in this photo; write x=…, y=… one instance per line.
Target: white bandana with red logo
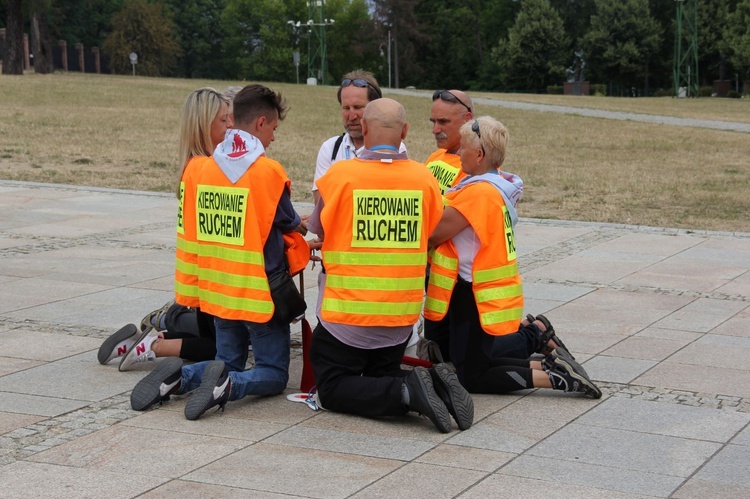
x=238, y=151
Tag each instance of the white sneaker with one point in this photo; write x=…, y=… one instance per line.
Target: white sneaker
x=140, y=351
x=118, y=344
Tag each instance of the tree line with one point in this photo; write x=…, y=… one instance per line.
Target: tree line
x=488, y=45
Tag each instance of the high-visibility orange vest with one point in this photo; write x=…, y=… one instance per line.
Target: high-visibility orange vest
x=496, y=281
x=446, y=168
x=186, y=262
x=376, y=220
x=225, y=227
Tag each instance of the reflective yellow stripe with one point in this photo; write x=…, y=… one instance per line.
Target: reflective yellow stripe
x=185, y=290
x=351, y=258
x=435, y=305
x=235, y=303
x=237, y=281
x=499, y=293
x=230, y=254
x=371, y=307
x=375, y=283
x=498, y=316
x=444, y=261
x=497, y=273
x=446, y=201
x=441, y=281
x=187, y=246
x=186, y=268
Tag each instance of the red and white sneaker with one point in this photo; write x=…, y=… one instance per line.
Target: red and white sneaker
x=117, y=344
x=140, y=351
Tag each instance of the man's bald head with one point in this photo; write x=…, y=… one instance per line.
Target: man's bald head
x=384, y=123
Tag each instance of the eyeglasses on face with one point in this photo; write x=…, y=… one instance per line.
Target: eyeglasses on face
x=360, y=83
x=448, y=97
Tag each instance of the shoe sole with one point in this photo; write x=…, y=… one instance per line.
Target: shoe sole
x=110, y=343
x=461, y=404
x=123, y=366
x=563, y=353
x=440, y=416
x=574, y=370
x=146, y=392
x=200, y=400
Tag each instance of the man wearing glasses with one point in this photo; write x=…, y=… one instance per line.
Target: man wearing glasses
x=450, y=110
x=357, y=89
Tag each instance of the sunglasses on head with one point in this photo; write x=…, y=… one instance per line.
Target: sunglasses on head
x=475, y=129
x=359, y=83
x=448, y=97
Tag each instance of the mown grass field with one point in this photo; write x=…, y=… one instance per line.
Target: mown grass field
x=121, y=132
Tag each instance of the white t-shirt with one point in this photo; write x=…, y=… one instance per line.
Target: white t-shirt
x=346, y=151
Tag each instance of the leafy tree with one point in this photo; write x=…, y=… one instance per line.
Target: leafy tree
x=13, y=47
x=258, y=39
x=533, y=55
x=82, y=21
x=353, y=41
x=406, y=33
x=738, y=37
x=495, y=20
x=200, y=34
x=41, y=42
x=622, y=39
x=712, y=51
x=145, y=29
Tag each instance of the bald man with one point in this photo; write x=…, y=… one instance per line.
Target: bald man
x=375, y=214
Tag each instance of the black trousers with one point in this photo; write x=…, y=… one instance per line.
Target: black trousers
x=195, y=328
x=472, y=350
x=355, y=380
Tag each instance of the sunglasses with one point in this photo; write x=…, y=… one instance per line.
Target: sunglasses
x=360, y=83
x=475, y=129
x=448, y=97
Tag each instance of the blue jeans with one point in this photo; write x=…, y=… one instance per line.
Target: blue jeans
x=271, y=350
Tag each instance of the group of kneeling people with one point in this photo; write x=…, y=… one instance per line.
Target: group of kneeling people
x=384, y=229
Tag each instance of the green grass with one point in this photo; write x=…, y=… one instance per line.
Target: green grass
x=121, y=132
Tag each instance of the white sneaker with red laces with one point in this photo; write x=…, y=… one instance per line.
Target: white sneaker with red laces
x=140, y=351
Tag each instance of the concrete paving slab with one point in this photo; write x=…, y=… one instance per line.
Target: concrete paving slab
x=402, y=449
x=422, y=480
x=10, y=421
x=676, y=376
x=23, y=343
x=593, y=267
x=289, y=470
x=685, y=274
x=628, y=450
x=737, y=286
x=717, y=351
x=10, y=365
x=501, y=485
x=638, y=347
x=35, y=291
x=701, y=489
x=743, y=437
x=662, y=418
x=651, y=244
x=591, y=475
x=22, y=403
x=140, y=451
x=25, y=479
x=79, y=377
x=489, y=436
x=616, y=369
x=730, y=466
x=459, y=456
x=739, y=325
x=183, y=489
x=702, y=315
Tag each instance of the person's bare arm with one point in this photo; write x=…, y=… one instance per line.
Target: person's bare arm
x=451, y=223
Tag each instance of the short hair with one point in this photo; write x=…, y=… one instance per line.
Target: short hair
x=198, y=112
x=231, y=92
x=495, y=137
x=373, y=89
x=254, y=101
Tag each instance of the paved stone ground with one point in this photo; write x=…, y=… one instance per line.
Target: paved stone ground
x=660, y=318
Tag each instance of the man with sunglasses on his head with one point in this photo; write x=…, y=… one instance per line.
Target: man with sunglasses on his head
x=357, y=89
x=450, y=109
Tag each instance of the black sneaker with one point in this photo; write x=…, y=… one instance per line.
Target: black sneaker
x=214, y=390
x=158, y=385
x=566, y=374
x=454, y=395
x=424, y=400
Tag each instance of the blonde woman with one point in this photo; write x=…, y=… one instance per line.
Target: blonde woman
x=475, y=287
x=174, y=330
